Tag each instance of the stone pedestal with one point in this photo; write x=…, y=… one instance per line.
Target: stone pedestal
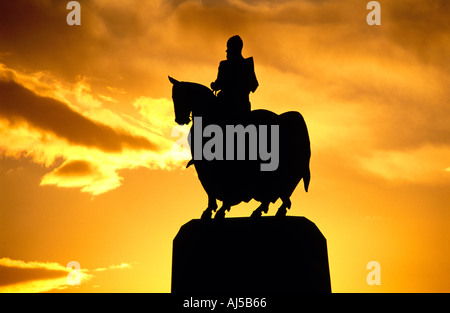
x=243, y=255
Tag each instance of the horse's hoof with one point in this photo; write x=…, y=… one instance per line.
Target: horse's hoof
x=206, y=215
x=256, y=214
x=220, y=215
x=281, y=212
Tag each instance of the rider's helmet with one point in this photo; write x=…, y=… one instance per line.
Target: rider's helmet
x=235, y=44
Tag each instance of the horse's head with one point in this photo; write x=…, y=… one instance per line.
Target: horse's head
x=180, y=102
x=190, y=97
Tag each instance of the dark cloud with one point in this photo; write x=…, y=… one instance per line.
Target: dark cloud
x=74, y=168
x=143, y=42
x=36, y=35
x=15, y=275
x=420, y=27
x=401, y=114
x=20, y=104
x=128, y=45
x=140, y=40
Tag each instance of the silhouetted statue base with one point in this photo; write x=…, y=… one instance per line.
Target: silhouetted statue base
x=267, y=255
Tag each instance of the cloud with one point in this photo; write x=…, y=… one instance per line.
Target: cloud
x=47, y=119
x=74, y=168
x=20, y=104
x=33, y=277
x=21, y=276
x=421, y=28
x=113, y=267
x=425, y=165
x=154, y=37
x=157, y=112
x=385, y=87
x=367, y=92
x=95, y=179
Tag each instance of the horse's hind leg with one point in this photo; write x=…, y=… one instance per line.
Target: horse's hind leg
x=212, y=207
x=226, y=207
x=264, y=207
x=282, y=210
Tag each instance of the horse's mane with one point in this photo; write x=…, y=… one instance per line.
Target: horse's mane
x=199, y=89
x=201, y=99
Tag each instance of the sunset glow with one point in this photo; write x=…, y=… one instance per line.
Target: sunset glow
x=88, y=168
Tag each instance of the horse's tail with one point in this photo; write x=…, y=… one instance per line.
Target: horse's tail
x=307, y=178
x=298, y=126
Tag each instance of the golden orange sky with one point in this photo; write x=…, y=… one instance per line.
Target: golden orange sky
x=87, y=171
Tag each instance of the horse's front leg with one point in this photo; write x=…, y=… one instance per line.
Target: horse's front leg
x=282, y=210
x=226, y=206
x=264, y=207
x=212, y=207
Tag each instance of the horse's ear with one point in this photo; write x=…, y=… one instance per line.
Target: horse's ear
x=173, y=80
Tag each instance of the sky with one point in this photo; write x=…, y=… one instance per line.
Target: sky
x=88, y=169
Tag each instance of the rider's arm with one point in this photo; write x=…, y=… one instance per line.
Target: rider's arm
x=218, y=84
x=252, y=81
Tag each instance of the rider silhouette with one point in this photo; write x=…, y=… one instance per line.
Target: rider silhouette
x=235, y=80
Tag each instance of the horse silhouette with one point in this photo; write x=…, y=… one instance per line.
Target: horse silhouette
x=239, y=181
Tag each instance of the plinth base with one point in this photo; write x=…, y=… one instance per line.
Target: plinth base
x=266, y=255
